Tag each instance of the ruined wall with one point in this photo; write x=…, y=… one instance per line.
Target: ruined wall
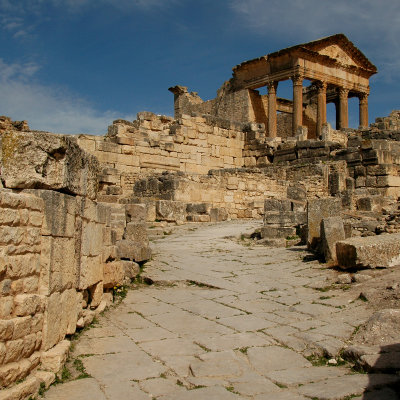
x=59, y=250
x=157, y=143
x=239, y=193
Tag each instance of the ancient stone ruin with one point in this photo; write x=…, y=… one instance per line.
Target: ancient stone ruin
x=76, y=209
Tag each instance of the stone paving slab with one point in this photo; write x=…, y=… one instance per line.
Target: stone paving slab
x=235, y=322
x=82, y=389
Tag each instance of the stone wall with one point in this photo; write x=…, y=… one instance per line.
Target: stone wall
x=240, y=193
x=60, y=250
x=153, y=144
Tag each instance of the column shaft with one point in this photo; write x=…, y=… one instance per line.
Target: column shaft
x=321, y=110
x=343, y=108
x=297, y=102
x=363, y=108
x=272, y=109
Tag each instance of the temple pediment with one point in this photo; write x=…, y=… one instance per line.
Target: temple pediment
x=340, y=49
x=336, y=52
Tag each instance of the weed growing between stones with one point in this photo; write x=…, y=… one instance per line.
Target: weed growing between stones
x=119, y=291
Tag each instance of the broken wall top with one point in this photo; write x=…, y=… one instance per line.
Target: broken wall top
x=39, y=160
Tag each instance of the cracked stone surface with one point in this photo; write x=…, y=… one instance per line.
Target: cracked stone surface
x=225, y=321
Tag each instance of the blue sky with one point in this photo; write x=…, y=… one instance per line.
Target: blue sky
x=73, y=66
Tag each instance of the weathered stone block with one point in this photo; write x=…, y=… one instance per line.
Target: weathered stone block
x=277, y=232
x=48, y=161
x=23, y=390
x=114, y=273
x=136, y=212
x=54, y=359
x=199, y=208
x=218, y=214
x=59, y=213
x=318, y=209
x=130, y=250
x=277, y=205
x=91, y=271
x=171, y=211
x=92, y=238
x=332, y=230
x=58, y=269
x=369, y=252
x=288, y=219
x=60, y=317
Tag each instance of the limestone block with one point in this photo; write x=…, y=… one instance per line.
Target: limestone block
x=289, y=218
x=96, y=294
x=114, y=273
x=92, y=238
x=58, y=324
x=28, y=304
x=54, y=359
x=171, y=211
x=218, y=214
x=277, y=232
x=6, y=306
x=59, y=213
x=317, y=209
x=26, y=389
x=6, y=329
x=381, y=329
x=91, y=271
x=199, y=218
x=199, y=208
x=369, y=252
x=22, y=327
x=58, y=269
x=136, y=212
x=130, y=250
x=332, y=230
x=277, y=205
x=137, y=232
x=48, y=161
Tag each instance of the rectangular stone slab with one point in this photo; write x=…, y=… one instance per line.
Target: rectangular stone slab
x=369, y=252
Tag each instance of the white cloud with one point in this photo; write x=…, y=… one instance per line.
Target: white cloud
x=373, y=25
x=47, y=108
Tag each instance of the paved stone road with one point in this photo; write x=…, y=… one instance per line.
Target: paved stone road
x=224, y=321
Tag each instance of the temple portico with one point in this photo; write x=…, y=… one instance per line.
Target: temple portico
x=336, y=69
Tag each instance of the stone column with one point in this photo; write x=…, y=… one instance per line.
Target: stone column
x=363, y=108
x=272, y=108
x=321, y=110
x=297, y=102
x=343, y=108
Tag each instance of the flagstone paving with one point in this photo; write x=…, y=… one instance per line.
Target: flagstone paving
x=224, y=320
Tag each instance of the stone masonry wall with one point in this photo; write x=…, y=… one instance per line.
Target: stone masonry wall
x=22, y=307
x=157, y=143
x=61, y=254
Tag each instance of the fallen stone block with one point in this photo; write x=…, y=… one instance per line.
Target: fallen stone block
x=54, y=359
x=369, y=252
x=317, y=210
x=285, y=219
x=273, y=232
x=332, y=230
x=218, y=214
x=130, y=250
x=277, y=205
x=170, y=211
